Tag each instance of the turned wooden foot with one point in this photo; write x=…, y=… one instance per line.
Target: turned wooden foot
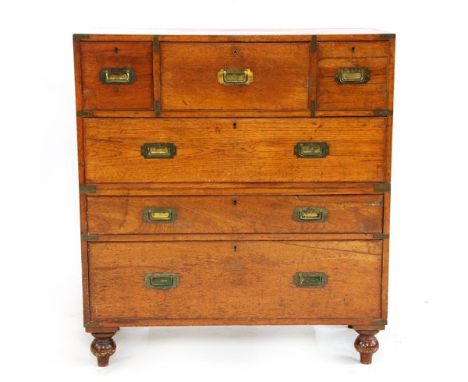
x=103, y=346
x=366, y=344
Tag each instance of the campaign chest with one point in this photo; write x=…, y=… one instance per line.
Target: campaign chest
x=234, y=180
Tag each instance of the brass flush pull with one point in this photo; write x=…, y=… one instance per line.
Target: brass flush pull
x=310, y=214
x=310, y=279
x=235, y=76
x=311, y=149
x=158, y=150
x=352, y=76
x=161, y=280
x=159, y=215
x=117, y=76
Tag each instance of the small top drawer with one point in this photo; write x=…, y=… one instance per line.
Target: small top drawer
x=235, y=77
x=117, y=75
x=353, y=76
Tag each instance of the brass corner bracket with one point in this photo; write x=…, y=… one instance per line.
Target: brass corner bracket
x=313, y=108
x=88, y=237
x=382, y=187
x=380, y=236
x=89, y=189
x=156, y=44
x=313, y=43
x=157, y=108
x=78, y=36
x=383, y=113
x=91, y=324
x=85, y=114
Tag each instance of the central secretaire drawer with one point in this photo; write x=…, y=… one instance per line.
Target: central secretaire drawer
x=243, y=150
x=249, y=77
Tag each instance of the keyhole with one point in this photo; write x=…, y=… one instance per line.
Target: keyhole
x=353, y=49
x=116, y=50
x=234, y=202
x=234, y=248
x=235, y=51
x=234, y=125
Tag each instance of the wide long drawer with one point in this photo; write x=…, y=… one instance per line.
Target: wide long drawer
x=223, y=150
x=235, y=214
x=296, y=279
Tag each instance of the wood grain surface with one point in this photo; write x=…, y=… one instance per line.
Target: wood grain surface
x=354, y=49
x=242, y=280
x=373, y=95
x=190, y=77
x=223, y=150
x=235, y=214
x=96, y=56
x=369, y=96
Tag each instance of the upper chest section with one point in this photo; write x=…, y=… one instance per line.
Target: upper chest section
x=242, y=76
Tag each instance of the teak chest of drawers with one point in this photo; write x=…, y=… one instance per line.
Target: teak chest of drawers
x=234, y=180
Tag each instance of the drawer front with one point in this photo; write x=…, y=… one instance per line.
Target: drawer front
x=353, y=76
x=223, y=150
x=318, y=279
x=266, y=77
x=235, y=214
x=117, y=75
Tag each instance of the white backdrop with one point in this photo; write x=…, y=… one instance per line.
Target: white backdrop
x=42, y=335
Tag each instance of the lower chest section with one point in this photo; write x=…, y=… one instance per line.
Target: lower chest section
x=202, y=220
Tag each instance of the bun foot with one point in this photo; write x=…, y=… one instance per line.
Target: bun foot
x=103, y=346
x=366, y=344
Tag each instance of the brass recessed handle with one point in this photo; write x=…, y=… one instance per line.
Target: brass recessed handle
x=117, y=76
x=161, y=280
x=352, y=75
x=158, y=150
x=311, y=149
x=159, y=214
x=310, y=279
x=235, y=76
x=310, y=214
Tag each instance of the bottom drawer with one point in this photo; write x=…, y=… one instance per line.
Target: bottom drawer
x=243, y=280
